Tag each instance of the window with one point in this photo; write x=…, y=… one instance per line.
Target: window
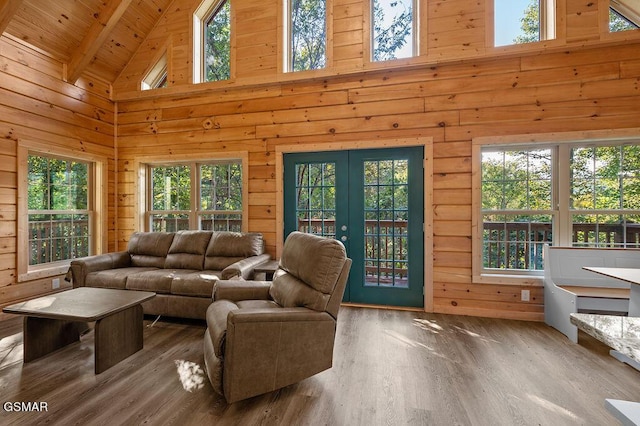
x=582, y=194
x=523, y=21
x=212, y=41
x=394, y=29
x=157, y=76
x=194, y=195
x=61, y=199
x=623, y=15
x=516, y=207
x=59, y=209
x=307, y=34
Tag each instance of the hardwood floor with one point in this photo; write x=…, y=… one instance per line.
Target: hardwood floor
x=390, y=368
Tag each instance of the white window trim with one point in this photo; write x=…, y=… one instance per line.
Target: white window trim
x=97, y=193
x=156, y=73
x=479, y=275
x=142, y=163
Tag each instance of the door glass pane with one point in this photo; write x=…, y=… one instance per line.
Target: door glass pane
x=316, y=198
x=386, y=206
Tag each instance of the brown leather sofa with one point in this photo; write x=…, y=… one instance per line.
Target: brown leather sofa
x=181, y=268
x=262, y=336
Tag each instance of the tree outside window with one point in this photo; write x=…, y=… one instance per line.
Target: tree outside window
x=393, y=29
x=196, y=196
x=58, y=209
x=217, y=43
x=523, y=21
x=618, y=22
x=307, y=34
x=522, y=193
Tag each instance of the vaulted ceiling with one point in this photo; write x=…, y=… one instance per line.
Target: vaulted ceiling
x=98, y=37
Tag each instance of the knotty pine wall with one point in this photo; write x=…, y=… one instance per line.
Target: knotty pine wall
x=458, y=89
x=37, y=106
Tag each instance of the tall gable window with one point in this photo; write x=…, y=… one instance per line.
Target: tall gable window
x=523, y=21
x=307, y=34
x=212, y=41
x=157, y=75
x=394, y=29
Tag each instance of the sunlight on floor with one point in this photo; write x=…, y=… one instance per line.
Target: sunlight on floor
x=191, y=375
x=548, y=405
x=428, y=325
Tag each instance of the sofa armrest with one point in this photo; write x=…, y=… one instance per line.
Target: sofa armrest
x=277, y=315
x=236, y=290
x=80, y=268
x=244, y=268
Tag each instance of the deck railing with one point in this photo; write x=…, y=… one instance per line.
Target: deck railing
x=511, y=244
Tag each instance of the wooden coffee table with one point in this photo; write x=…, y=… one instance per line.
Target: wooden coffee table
x=51, y=322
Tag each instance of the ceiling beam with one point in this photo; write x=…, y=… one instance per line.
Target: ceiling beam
x=8, y=8
x=105, y=21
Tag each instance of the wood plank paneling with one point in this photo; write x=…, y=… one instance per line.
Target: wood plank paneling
x=451, y=103
x=36, y=106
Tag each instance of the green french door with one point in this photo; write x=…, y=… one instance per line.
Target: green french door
x=372, y=201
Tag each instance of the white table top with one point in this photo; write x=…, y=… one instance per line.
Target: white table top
x=630, y=275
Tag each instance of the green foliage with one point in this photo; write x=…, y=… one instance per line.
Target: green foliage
x=56, y=184
x=217, y=44
x=530, y=24
x=390, y=35
x=308, y=34
x=618, y=22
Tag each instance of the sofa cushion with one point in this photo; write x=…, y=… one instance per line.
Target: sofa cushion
x=112, y=278
x=187, y=250
x=199, y=284
x=158, y=281
x=149, y=249
x=235, y=244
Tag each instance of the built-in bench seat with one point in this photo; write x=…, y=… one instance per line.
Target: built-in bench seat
x=568, y=288
x=598, y=292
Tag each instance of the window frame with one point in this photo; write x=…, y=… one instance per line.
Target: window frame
x=562, y=230
x=201, y=15
x=97, y=207
x=144, y=164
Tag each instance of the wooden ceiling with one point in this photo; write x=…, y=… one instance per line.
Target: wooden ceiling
x=97, y=37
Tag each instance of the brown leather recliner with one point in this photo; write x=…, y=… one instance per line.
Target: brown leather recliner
x=262, y=335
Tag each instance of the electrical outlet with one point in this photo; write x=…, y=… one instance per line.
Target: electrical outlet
x=524, y=295
x=55, y=283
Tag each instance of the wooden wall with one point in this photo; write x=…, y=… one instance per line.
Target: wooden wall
x=37, y=106
x=459, y=88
